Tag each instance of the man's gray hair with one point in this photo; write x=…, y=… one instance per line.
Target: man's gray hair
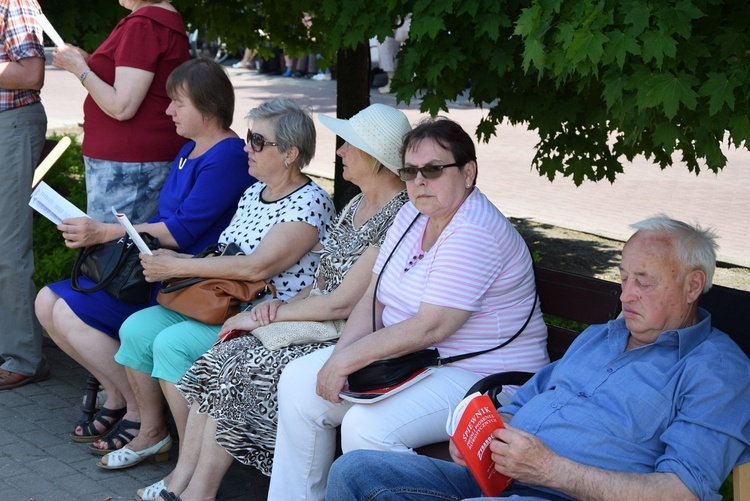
x=695, y=247
x=293, y=127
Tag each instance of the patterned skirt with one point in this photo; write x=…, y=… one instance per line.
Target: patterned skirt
x=235, y=383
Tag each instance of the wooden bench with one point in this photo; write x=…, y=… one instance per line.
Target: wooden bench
x=582, y=300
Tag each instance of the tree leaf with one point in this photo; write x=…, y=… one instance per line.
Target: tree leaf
x=528, y=21
x=533, y=54
x=720, y=91
x=426, y=26
x=656, y=44
x=587, y=44
x=637, y=16
x=670, y=91
x=620, y=45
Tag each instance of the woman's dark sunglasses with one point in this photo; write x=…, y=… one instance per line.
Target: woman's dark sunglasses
x=428, y=171
x=257, y=142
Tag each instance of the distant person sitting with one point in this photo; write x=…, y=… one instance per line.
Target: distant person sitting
x=289, y=63
x=649, y=406
x=306, y=66
x=247, y=60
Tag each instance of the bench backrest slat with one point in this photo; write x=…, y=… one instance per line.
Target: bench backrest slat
x=730, y=312
x=577, y=298
x=594, y=301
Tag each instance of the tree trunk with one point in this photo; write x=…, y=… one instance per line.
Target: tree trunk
x=352, y=95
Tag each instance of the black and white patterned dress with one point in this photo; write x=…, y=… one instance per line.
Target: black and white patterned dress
x=255, y=217
x=235, y=382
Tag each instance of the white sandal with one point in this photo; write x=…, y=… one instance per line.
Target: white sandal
x=151, y=492
x=125, y=458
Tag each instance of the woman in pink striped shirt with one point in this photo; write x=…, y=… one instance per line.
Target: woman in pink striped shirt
x=458, y=278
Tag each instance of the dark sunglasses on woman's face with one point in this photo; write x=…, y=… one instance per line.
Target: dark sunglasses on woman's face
x=257, y=142
x=428, y=171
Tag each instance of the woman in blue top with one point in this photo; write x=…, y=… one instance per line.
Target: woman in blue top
x=196, y=203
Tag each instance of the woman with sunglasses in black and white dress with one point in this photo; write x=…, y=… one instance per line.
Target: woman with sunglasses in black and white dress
x=280, y=224
x=458, y=278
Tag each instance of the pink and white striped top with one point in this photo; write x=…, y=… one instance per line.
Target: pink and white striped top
x=481, y=264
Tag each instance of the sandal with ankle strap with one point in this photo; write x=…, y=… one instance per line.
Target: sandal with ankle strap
x=119, y=433
x=89, y=433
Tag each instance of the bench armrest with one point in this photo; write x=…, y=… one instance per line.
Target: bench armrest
x=493, y=384
x=741, y=481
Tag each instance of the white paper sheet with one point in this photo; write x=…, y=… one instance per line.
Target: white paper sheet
x=125, y=222
x=52, y=205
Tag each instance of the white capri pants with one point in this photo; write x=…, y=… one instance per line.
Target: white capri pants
x=306, y=437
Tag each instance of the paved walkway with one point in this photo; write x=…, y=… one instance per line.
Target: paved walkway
x=39, y=462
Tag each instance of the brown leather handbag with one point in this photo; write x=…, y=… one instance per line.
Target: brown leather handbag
x=211, y=300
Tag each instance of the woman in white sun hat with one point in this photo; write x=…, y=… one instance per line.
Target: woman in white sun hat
x=231, y=389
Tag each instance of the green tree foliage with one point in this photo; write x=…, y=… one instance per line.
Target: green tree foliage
x=598, y=80
x=85, y=23
x=249, y=24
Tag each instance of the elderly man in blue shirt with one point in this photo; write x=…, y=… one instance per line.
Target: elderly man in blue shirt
x=649, y=406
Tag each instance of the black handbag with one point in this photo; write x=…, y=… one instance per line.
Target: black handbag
x=392, y=371
x=116, y=267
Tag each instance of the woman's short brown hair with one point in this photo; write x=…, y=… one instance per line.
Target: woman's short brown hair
x=207, y=85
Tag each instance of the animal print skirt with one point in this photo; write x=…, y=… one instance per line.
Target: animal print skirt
x=236, y=384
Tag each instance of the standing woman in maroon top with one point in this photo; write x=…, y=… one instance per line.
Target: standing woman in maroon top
x=129, y=142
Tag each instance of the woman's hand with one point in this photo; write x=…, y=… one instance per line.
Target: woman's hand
x=265, y=312
x=331, y=379
x=70, y=58
x=82, y=231
x=242, y=321
x=160, y=266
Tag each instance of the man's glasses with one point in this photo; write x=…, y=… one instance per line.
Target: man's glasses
x=257, y=142
x=428, y=171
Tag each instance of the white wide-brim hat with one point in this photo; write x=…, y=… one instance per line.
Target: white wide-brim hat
x=378, y=130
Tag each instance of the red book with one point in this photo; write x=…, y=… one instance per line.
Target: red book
x=470, y=428
x=229, y=335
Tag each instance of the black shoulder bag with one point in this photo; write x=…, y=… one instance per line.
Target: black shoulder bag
x=392, y=371
x=116, y=267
